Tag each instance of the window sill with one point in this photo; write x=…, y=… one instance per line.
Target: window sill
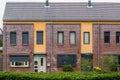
x=72, y=44
x=19, y=66
x=107, y=44
x=60, y=44
x=25, y=44
x=13, y=44
x=118, y=44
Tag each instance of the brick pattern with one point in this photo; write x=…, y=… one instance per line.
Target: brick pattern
x=53, y=48
x=98, y=42
x=18, y=48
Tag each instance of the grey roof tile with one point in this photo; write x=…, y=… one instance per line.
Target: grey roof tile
x=62, y=12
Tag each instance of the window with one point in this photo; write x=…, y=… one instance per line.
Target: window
x=19, y=60
x=60, y=37
x=39, y=37
x=86, y=37
x=13, y=38
x=25, y=38
x=86, y=58
x=106, y=37
x=117, y=37
x=66, y=59
x=72, y=37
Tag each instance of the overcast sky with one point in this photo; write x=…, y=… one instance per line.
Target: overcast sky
x=3, y=2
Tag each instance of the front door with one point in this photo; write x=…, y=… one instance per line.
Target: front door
x=42, y=64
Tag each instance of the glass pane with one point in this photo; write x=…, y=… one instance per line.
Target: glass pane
x=72, y=38
x=41, y=61
x=39, y=37
x=25, y=37
x=60, y=37
x=19, y=63
x=86, y=37
x=36, y=63
x=106, y=37
x=12, y=37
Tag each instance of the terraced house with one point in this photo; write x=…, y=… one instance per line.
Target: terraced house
x=42, y=37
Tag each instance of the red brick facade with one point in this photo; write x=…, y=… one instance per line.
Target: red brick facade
x=17, y=49
x=53, y=49
x=99, y=47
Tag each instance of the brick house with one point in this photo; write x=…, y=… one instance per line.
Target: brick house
x=42, y=37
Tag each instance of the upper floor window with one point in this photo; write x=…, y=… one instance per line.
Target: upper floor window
x=13, y=38
x=72, y=37
x=86, y=37
x=25, y=38
x=117, y=37
x=106, y=37
x=60, y=35
x=39, y=37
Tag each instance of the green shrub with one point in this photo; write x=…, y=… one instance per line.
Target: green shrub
x=67, y=68
x=59, y=76
x=108, y=63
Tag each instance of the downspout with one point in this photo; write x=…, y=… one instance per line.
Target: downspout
x=51, y=63
x=5, y=47
x=99, y=43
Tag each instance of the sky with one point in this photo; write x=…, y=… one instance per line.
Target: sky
x=3, y=2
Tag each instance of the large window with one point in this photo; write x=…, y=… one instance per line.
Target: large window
x=19, y=60
x=72, y=37
x=25, y=38
x=66, y=59
x=39, y=37
x=86, y=37
x=86, y=62
x=106, y=37
x=13, y=38
x=118, y=37
x=60, y=37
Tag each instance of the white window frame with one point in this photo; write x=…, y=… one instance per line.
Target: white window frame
x=12, y=64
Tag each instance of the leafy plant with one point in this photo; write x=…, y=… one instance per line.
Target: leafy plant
x=67, y=68
x=108, y=63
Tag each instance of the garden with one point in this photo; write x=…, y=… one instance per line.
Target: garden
x=107, y=71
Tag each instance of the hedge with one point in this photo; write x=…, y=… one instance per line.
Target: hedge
x=59, y=76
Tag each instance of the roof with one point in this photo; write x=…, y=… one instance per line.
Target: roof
x=26, y=11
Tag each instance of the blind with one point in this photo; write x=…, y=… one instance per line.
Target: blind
x=14, y=58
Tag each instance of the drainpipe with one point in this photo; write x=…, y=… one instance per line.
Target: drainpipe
x=51, y=61
x=99, y=43
x=5, y=47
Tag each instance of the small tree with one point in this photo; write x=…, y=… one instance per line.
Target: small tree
x=67, y=68
x=108, y=63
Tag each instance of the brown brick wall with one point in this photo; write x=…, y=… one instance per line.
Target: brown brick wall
x=98, y=43
x=18, y=48
x=53, y=48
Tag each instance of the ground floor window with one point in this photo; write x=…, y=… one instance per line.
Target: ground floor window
x=66, y=59
x=19, y=60
x=86, y=62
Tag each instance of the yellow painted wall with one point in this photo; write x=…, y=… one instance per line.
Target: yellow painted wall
x=40, y=48
x=86, y=27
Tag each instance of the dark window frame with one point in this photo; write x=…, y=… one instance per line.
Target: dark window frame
x=107, y=35
x=37, y=39
x=61, y=57
x=23, y=43
x=118, y=37
x=70, y=37
x=88, y=38
x=11, y=42
x=62, y=37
